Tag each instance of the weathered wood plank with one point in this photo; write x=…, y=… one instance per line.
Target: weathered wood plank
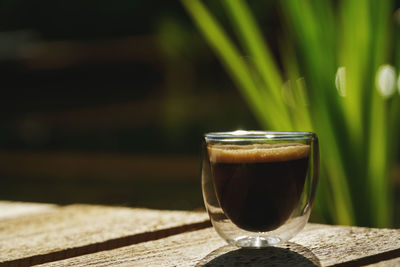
x=387, y=263
x=9, y=209
x=178, y=250
x=64, y=232
x=316, y=245
x=354, y=246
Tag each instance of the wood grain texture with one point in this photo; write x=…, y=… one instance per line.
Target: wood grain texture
x=316, y=245
x=355, y=246
x=178, y=250
x=10, y=209
x=63, y=232
x=387, y=263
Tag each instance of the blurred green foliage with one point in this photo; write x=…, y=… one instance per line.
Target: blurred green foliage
x=335, y=72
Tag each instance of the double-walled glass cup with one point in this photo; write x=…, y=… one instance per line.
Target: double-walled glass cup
x=258, y=187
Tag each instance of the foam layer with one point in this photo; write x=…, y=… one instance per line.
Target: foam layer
x=257, y=153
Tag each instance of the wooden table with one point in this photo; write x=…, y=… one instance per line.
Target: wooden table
x=87, y=235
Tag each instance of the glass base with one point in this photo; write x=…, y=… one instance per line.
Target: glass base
x=255, y=241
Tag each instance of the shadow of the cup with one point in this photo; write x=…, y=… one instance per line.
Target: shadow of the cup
x=287, y=254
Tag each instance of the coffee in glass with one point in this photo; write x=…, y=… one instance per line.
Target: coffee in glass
x=258, y=187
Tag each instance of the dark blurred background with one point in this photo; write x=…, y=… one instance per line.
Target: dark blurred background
x=106, y=103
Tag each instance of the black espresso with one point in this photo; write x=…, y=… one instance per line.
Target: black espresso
x=259, y=186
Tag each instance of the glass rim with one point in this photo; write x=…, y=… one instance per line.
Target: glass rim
x=240, y=135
